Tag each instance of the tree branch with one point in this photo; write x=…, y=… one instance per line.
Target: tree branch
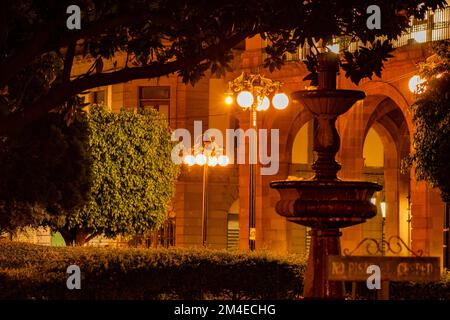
x=24, y=55
x=30, y=49
x=97, y=27
x=91, y=236
x=39, y=43
x=57, y=95
x=68, y=62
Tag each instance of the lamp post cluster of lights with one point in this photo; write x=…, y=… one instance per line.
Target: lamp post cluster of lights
x=255, y=93
x=207, y=155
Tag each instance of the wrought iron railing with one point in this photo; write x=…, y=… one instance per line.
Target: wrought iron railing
x=435, y=27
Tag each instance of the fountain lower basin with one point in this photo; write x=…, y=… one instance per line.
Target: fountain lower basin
x=325, y=204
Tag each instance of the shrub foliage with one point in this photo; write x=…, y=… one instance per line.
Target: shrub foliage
x=431, y=119
x=36, y=272
x=107, y=173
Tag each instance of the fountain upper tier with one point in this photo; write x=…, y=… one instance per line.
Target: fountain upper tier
x=328, y=103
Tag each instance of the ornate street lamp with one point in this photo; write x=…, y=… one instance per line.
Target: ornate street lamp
x=207, y=155
x=254, y=92
x=416, y=84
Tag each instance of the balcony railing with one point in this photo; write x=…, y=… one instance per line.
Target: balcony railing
x=435, y=27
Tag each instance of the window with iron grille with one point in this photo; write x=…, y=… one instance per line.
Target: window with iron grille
x=164, y=237
x=155, y=97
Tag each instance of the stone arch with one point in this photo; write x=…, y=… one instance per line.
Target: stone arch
x=396, y=140
x=387, y=118
x=289, y=122
x=383, y=88
x=381, y=98
x=299, y=121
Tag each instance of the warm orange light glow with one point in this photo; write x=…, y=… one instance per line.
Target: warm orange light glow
x=280, y=101
x=229, y=100
x=383, y=209
x=245, y=99
x=189, y=160
x=212, y=161
x=416, y=84
x=223, y=161
x=334, y=48
x=200, y=159
x=420, y=36
x=263, y=104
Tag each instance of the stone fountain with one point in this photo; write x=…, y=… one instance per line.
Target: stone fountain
x=325, y=203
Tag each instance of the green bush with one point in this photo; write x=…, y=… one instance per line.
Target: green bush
x=408, y=290
x=421, y=290
x=36, y=272
x=107, y=173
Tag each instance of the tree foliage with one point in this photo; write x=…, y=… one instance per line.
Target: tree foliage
x=431, y=119
x=107, y=173
x=161, y=37
x=45, y=172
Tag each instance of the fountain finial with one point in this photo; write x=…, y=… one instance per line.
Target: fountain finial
x=328, y=67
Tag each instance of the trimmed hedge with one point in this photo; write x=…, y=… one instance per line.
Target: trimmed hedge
x=408, y=290
x=37, y=272
x=421, y=291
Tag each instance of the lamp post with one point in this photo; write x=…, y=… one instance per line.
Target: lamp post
x=383, y=223
x=373, y=200
x=205, y=155
x=252, y=93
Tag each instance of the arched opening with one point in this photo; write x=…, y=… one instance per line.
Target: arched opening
x=373, y=155
x=386, y=144
x=302, y=152
x=300, y=168
x=374, y=141
x=373, y=151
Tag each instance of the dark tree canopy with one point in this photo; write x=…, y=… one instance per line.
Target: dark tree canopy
x=107, y=173
x=161, y=37
x=45, y=172
x=431, y=119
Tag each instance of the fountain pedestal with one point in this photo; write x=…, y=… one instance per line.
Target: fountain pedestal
x=325, y=203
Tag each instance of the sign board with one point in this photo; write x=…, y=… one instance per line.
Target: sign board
x=354, y=268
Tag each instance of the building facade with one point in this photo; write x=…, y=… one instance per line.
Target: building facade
x=375, y=137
